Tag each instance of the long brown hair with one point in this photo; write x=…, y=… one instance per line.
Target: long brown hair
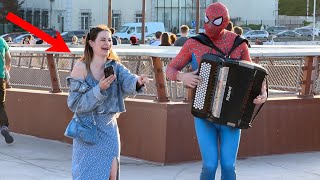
x=88, y=51
x=165, y=40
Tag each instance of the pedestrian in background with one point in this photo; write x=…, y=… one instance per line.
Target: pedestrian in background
x=184, y=30
x=165, y=40
x=238, y=30
x=157, y=41
x=134, y=41
x=173, y=38
x=74, y=40
x=5, y=65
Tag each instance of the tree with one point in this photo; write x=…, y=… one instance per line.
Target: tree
x=9, y=6
x=297, y=7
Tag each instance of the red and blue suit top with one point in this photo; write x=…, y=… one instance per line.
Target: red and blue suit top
x=216, y=20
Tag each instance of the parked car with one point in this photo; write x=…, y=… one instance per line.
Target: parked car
x=130, y=29
x=67, y=35
x=316, y=31
x=12, y=35
x=150, y=37
x=20, y=38
x=256, y=34
x=304, y=31
x=51, y=32
x=288, y=33
x=246, y=29
x=276, y=29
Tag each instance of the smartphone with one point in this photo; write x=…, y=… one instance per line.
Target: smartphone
x=108, y=71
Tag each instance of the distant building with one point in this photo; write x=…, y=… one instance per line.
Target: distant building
x=64, y=15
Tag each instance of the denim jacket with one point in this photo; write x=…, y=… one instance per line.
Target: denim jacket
x=83, y=99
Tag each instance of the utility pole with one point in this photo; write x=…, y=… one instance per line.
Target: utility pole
x=314, y=19
x=198, y=16
x=143, y=20
x=110, y=13
x=307, y=10
x=50, y=17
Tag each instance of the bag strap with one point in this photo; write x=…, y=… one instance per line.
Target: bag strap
x=204, y=39
x=239, y=40
x=76, y=114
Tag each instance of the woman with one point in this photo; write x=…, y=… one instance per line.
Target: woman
x=96, y=97
x=134, y=41
x=165, y=40
x=173, y=38
x=74, y=40
x=215, y=141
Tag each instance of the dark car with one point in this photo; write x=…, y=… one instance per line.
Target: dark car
x=67, y=36
x=51, y=32
x=288, y=33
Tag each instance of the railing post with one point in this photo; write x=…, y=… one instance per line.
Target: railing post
x=160, y=80
x=307, y=80
x=188, y=95
x=53, y=74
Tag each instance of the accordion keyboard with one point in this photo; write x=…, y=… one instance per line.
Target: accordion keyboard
x=201, y=90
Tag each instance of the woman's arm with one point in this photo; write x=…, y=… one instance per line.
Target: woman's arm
x=81, y=97
x=129, y=82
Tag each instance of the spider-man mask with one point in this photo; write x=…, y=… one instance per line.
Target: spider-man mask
x=216, y=19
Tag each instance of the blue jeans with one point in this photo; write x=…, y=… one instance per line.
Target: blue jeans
x=211, y=136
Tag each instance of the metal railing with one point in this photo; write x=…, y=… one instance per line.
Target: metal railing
x=287, y=74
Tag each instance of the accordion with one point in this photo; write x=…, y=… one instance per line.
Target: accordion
x=227, y=89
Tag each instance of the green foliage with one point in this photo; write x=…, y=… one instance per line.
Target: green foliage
x=9, y=6
x=296, y=7
x=254, y=26
x=306, y=23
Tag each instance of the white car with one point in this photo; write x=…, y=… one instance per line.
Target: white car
x=316, y=31
x=19, y=39
x=256, y=34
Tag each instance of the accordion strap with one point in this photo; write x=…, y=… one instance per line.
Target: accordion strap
x=204, y=39
x=239, y=40
x=262, y=103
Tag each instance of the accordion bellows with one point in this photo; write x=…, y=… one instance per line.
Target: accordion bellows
x=227, y=89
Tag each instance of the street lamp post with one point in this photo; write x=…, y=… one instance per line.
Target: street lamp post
x=110, y=13
x=314, y=18
x=307, y=10
x=143, y=21
x=50, y=18
x=198, y=16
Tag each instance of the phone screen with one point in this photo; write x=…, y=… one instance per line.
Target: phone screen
x=108, y=71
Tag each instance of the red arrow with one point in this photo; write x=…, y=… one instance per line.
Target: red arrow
x=58, y=45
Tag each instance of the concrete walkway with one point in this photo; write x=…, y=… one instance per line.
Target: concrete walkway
x=31, y=158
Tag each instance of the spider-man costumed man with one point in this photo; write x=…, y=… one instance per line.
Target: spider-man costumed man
x=210, y=134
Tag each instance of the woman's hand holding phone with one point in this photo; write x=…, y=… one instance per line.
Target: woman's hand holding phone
x=108, y=78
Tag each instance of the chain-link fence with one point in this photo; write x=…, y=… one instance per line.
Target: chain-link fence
x=316, y=86
x=285, y=73
x=31, y=71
